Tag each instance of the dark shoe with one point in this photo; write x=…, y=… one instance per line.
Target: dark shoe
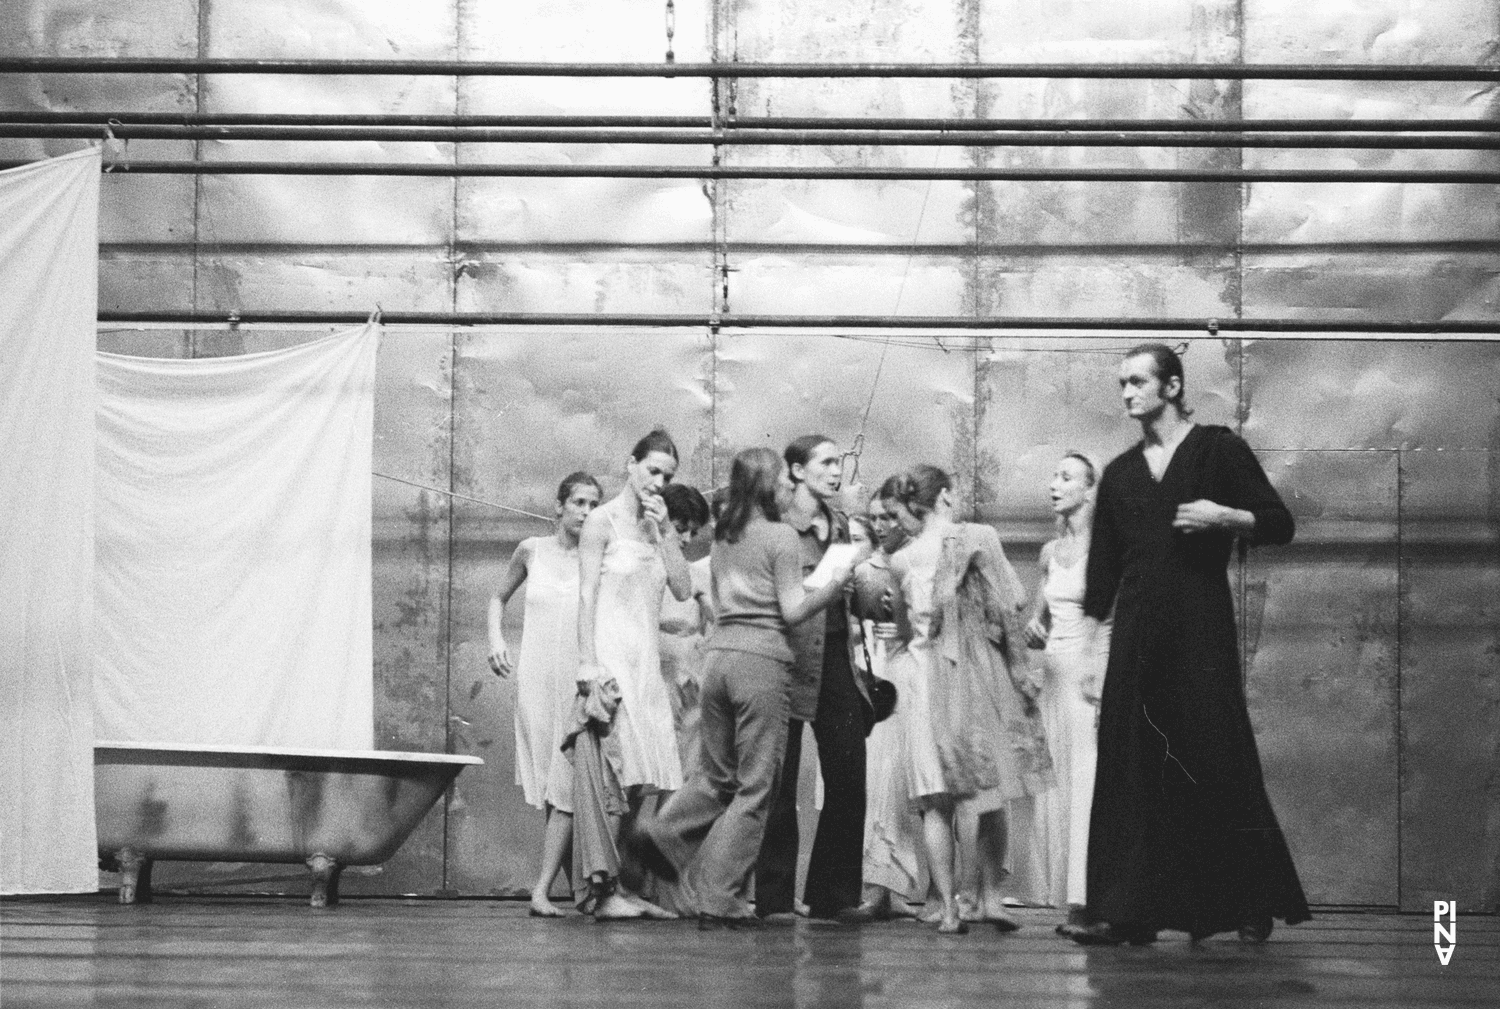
x=1257, y=932
x=714, y=922
x=641, y=847
x=864, y=914
x=1077, y=919
x=1104, y=934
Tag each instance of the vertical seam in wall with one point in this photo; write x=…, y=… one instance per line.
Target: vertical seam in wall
x=452, y=451
x=1400, y=621
x=1241, y=409
x=203, y=14
x=448, y=582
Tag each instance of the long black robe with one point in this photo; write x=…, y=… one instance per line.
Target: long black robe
x=1182, y=835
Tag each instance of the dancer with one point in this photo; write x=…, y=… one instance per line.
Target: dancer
x=1073, y=673
x=826, y=693
x=707, y=835
x=894, y=874
x=546, y=670
x=1182, y=834
x=685, y=625
x=625, y=746
x=974, y=737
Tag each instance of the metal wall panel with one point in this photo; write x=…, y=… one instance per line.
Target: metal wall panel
x=412, y=580
x=143, y=211
x=1366, y=251
x=795, y=282
x=773, y=388
x=1450, y=674
x=1335, y=394
x=639, y=280
x=531, y=407
x=810, y=246
x=275, y=214
x=1167, y=243
x=1321, y=670
x=1041, y=398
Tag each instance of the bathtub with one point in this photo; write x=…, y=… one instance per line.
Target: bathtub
x=322, y=808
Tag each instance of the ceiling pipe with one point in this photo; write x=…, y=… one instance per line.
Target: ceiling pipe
x=767, y=172
x=1210, y=327
x=1406, y=72
x=752, y=122
x=758, y=138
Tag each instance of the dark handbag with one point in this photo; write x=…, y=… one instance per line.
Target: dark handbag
x=881, y=702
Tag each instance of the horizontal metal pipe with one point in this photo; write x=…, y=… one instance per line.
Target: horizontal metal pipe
x=765, y=172
x=757, y=122
x=474, y=68
x=646, y=320
x=760, y=138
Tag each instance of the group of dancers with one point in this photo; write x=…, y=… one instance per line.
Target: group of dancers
x=661, y=704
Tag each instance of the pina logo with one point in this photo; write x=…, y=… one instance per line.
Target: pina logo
x=1445, y=937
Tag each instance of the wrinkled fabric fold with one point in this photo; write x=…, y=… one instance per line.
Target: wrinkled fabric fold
x=49, y=252
x=233, y=599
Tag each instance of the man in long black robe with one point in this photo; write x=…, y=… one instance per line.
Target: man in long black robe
x=1182, y=834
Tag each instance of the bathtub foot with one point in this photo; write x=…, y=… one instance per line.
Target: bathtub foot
x=325, y=880
x=135, y=877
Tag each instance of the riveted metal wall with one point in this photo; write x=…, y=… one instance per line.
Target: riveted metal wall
x=1372, y=643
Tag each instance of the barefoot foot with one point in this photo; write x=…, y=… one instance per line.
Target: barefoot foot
x=541, y=907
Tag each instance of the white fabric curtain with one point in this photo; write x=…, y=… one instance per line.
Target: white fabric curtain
x=233, y=596
x=49, y=254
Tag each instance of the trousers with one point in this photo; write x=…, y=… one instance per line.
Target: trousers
x=835, y=870
x=711, y=828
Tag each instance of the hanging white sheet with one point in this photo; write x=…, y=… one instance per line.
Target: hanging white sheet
x=49, y=251
x=233, y=600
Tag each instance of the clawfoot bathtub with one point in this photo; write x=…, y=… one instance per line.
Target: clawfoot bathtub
x=323, y=808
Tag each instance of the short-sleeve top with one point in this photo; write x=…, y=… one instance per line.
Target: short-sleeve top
x=745, y=575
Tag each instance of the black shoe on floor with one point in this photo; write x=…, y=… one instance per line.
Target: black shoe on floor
x=714, y=922
x=1257, y=932
x=864, y=914
x=1105, y=934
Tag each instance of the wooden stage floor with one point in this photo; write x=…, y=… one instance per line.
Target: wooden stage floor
x=277, y=952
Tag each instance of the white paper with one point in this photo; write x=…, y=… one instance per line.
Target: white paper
x=838, y=555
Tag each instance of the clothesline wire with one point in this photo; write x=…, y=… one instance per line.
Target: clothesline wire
x=464, y=497
x=857, y=447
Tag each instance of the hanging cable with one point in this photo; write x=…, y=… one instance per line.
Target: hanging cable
x=463, y=497
x=857, y=447
x=671, y=29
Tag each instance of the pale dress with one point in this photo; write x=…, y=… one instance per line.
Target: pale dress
x=627, y=618
x=1070, y=660
x=915, y=669
x=683, y=634
x=893, y=831
x=547, y=672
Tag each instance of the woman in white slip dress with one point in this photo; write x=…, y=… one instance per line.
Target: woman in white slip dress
x=628, y=552
x=1074, y=661
x=894, y=872
x=974, y=738
x=546, y=670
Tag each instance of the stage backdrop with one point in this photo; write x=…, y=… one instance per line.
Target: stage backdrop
x=233, y=576
x=48, y=247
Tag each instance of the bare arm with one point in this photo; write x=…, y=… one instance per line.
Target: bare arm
x=500, y=659
x=591, y=543
x=679, y=577
x=797, y=604
x=1040, y=625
